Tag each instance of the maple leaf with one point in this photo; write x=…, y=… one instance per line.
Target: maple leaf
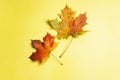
x=43, y=49
x=69, y=24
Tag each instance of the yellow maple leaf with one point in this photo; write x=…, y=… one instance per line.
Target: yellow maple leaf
x=69, y=24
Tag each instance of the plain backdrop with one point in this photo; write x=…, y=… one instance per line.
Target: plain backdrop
x=93, y=56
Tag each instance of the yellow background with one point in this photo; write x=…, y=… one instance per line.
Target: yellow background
x=93, y=56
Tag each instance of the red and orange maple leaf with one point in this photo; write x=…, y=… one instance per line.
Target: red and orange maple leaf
x=43, y=49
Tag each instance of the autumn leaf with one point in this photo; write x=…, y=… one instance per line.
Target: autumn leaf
x=43, y=49
x=69, y=24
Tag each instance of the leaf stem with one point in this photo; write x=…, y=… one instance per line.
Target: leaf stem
x=57, y=59
x=66, y=47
